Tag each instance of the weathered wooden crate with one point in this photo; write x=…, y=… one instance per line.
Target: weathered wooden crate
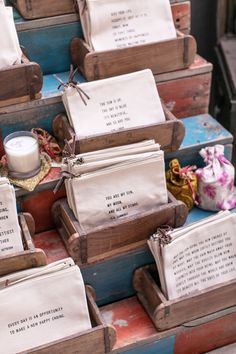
x=161, y=57
x=20, y=83
x=31, y=9
x=168, y=134
x=167, y=314
x=98, y=340
x=121, y=236
x=30, y=257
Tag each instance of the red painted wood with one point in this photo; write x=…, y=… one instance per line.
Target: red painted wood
x=130, y=320
x=181, y=14
x=188, y=96
x=51, y=243
x=208, y=336
x=39, y=205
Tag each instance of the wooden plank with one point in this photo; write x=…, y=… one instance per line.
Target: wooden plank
x=135, y=333
x=187, y=96
x=208, y=336
x=31, y=9
x=52, y=40
x=20, y=83
x=40, y=205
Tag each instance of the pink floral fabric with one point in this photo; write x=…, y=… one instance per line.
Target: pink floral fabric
x=216, y=180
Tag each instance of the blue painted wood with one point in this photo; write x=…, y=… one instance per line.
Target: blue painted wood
x=162, y=346
x=50, y=83
x=49, y=46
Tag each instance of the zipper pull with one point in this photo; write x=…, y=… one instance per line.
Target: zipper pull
x=163, y=235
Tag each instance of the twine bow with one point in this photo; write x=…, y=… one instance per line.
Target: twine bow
x=72, y=83
x=163, y=234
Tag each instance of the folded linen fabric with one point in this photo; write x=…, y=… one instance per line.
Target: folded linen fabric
x=113, y=24
x=10, y=49
x=42, y=305
x=196, y=257
x=113, y=104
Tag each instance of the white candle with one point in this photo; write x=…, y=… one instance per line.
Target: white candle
x=22, y=153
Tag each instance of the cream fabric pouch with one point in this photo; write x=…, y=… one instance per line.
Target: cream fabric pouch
x=42, y=305
x=114, y=24
x=114, y=104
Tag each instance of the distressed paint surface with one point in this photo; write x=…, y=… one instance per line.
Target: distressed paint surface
x=208, y=336
x=52, y=245
x=187, y=96
x=49, y=46
x=130, y=321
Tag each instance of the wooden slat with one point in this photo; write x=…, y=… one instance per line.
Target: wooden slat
x=31, y=9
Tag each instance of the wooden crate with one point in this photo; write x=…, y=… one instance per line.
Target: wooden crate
x=168, y=134
x=161, y=57
x=121, y=236
x=98, y=340
x=20, y=83
x=31, y=9
x=30, y=257
x=167, y=314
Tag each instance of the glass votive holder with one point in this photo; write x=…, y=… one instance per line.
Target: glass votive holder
x=22, y=152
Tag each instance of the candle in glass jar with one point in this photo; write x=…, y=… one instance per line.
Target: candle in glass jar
x=22, y=152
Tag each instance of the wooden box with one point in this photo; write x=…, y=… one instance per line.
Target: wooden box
x=98, y=340
x=31, y=9
x=123, y=235
x=161, y=57
x=30, y=257
x=20, y=83
x=168, y=134
x=165, y=313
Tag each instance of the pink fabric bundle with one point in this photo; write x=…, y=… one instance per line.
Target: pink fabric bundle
x=216, y=180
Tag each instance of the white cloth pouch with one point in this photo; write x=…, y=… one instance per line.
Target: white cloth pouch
x=10, y=52
x=10, y=232
x=196, y=257
x=41, y=306
x=127, y=188
x=216, y=180
x=115, y=104
x=113, y=24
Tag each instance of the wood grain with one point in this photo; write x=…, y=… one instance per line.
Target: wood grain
x=31, y=9
x=106, y=241
x=167, y=314
x=168, y=134
x=155, y=56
